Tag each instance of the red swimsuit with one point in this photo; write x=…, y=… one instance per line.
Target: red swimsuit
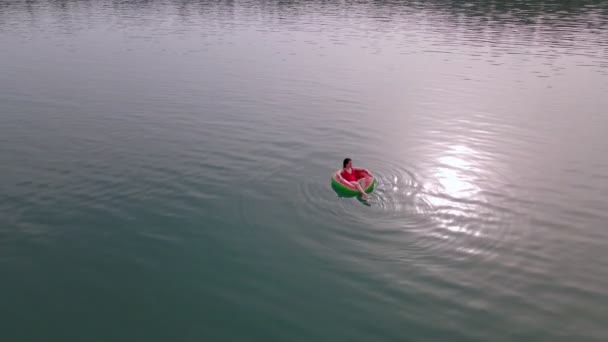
x=350, y=177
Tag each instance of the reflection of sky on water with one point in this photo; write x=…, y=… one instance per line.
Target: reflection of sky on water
x=455, y=175
x=454, y=191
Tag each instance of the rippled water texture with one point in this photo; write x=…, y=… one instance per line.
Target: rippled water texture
x=165, y=170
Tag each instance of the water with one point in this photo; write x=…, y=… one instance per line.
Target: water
x=165, y=170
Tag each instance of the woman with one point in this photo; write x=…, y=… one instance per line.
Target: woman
x=357, y=177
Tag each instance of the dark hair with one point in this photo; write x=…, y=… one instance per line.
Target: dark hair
x=346, y=161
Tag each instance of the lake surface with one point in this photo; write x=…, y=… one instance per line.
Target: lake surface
x=165, y=170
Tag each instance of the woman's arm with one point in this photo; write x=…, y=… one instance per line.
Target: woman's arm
x=339, y=176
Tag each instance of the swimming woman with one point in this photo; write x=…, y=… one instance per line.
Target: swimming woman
x=357, y=177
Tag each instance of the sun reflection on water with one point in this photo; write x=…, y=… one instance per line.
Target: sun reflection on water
x=456, y=172
x=455, y=193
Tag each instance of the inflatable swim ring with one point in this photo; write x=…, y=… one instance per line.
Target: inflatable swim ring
x=346, y=189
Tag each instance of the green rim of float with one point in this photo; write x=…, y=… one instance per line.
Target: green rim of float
x=343, y=190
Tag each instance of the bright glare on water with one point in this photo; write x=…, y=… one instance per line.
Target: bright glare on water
x=165, y=170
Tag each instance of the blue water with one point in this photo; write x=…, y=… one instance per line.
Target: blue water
x=164, y=170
